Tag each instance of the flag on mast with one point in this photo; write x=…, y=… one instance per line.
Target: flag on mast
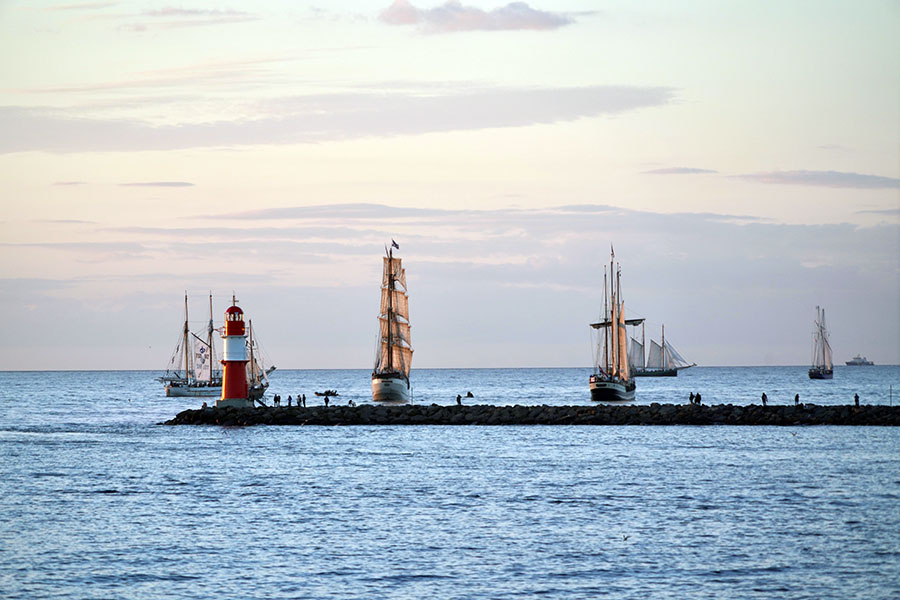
x=395, y=244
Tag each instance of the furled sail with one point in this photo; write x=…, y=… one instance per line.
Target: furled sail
x=622, y=339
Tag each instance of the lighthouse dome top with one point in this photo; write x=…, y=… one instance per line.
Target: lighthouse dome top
x=234, y=313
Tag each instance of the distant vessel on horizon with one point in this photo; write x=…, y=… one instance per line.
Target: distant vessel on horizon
x=611, y=381
x=822, y=366
x=193, y=370
x=390, y=377
x=662, y=361
x=859, y=361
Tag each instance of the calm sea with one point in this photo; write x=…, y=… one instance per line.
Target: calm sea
x=99, y=501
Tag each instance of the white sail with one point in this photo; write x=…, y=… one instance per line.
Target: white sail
x=398, y=302
x=635, y=353
x=655, y=356
x=673, y=359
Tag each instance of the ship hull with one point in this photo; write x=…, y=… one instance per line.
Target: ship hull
x=193, y=391
x=655, y=373
x=390, y=388
x=606, y=390
x=819, y=373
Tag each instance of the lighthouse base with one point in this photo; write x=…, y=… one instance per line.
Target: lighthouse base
x=235, y=402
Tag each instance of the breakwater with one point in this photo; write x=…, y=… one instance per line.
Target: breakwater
x=482, y=414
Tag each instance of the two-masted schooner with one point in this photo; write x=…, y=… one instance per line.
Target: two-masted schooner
x=390, y=378
x=194, y=371
x=611, y=380
x=822, y=365
x=662, y=360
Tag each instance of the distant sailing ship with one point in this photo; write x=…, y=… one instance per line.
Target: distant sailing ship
x=822, y=366
x=663, y=360
x=194, y=371
x=611, y=380
x=859, y=361
x=390, y=378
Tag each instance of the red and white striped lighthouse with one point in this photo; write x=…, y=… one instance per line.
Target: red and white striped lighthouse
x=235, y=391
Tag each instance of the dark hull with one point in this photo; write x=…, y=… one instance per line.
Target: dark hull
x=607, y=390
x=655, y=373
x=817, y=373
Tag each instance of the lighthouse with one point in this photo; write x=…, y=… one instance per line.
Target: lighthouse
x=235, y=391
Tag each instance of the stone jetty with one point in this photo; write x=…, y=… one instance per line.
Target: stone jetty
x=482, y=414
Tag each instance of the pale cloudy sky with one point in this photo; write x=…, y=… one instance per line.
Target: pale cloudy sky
x=743, y=157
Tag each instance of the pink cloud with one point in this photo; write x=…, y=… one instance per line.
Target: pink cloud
x=452, y=16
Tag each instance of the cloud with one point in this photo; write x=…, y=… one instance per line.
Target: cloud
x=678, y=171
x=82, y=6
x=832, y=179
x=158, y=184
x=170, y=17
x=452, y=16
x=326, y=117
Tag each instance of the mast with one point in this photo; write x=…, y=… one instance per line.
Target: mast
x=605, y=330
x=390, y=311
x=643, y=345
x=665, y=351
x=187, y=354
x=252, y=359
x=209, y=340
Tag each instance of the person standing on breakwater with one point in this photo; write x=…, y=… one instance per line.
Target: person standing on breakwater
x=697, y=398
x=458, y=400
x=326, y=401
x=796, y=399
x=304, y=400
x=691, y=397
x=290, y=399
x=764, y=398
x=856, y=399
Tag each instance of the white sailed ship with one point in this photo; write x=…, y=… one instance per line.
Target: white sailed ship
x=663, y=360
x=611, y=380
x=822, y=366
x=194, y=371
x=390, y=378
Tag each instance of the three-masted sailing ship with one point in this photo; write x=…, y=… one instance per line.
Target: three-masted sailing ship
x=390, y=378
x=662, y=360
x=194, y=371
x=611, y=380
x=822, y=365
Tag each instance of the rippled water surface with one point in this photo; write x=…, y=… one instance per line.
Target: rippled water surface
x=98, y=501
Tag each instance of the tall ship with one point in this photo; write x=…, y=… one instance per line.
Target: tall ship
x=662, y=359
x=390, y=378
x=193, y=370
x=859, y=361
x=822, y=366
x=611, y=380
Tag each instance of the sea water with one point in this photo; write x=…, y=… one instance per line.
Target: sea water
x=100, y=501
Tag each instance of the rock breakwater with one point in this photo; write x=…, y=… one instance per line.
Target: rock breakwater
x=482, y=414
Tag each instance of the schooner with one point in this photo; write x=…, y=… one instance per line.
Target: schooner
x=822, y=366
x=390, y=378
x=611, y=380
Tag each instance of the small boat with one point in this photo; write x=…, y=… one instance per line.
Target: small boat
x=327, y=393
x=193, y=370
x=822, y=366
x=611, y=380
x=663, y=360
x=859, y=361
x=390, y=377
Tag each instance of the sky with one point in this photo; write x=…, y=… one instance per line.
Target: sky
x=742, y=157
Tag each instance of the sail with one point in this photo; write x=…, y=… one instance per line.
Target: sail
x=636, y=354
x=400, y=333
x=655, y=356
x=397, y=301
x=623, y=344
x=673, y=359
